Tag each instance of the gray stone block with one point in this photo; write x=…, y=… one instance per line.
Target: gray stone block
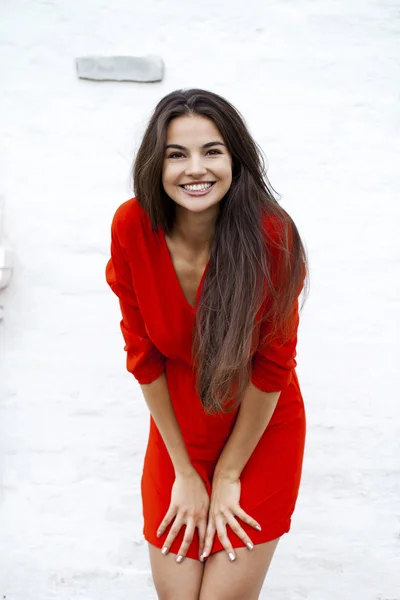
x=120, y=68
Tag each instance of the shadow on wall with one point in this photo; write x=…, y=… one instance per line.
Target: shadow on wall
x=6, y=257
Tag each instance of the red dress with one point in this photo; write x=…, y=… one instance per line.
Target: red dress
x=157, y=323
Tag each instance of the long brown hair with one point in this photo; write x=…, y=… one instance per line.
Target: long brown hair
x=251, y=267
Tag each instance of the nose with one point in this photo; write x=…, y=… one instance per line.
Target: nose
x=195, y=167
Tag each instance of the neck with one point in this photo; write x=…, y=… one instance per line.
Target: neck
x=196, y=230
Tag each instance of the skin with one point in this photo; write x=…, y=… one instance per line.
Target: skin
x=224, y=575
x=217, y=579
x=190, y=241
x=196, y=152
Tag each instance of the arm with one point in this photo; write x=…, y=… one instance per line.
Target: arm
x=189, y=498
x=159, y=402
x=255, y=412
x=272, y=367
x=144, y=360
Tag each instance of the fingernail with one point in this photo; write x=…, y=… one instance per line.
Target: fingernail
x=158, y=533
x=203, y=557
x=258, y=527
x=250, y=545
x=179, y=559
x=164, y=550
x=231, y=556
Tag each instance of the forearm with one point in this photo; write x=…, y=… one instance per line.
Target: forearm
x=158, y=400
x=254, y=414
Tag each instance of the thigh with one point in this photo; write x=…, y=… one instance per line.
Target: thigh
x=174, y=581
x=242, y=578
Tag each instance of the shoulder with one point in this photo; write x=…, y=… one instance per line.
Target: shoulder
x=285, y=248
x=277, y=229
x=130, y=213
x=129, y=218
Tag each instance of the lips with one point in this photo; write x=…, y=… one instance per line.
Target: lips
x=197, y=186
x=197, y=189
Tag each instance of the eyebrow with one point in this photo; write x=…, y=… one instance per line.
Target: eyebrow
x=208, y=145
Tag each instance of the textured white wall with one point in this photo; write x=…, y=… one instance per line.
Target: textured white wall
x=318, y=85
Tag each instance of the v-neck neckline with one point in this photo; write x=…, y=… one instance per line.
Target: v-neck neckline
x=168, y=258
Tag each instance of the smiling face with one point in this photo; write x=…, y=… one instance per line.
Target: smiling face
x=197, y=169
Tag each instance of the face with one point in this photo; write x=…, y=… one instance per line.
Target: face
x=197, y=170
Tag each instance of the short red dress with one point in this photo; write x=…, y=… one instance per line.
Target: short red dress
x=157, y=325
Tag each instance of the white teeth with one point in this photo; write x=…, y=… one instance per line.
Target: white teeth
x=199, y=187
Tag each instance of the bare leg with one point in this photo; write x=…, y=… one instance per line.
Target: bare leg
x=240, y=579
x=174, y=581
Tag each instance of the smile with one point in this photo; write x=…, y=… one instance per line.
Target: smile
x=197, y=189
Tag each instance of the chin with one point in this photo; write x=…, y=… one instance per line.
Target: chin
x=198, y=207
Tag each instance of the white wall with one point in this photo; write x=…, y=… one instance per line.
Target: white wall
x=318, y=85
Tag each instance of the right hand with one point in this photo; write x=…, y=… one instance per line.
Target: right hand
x=189, y=506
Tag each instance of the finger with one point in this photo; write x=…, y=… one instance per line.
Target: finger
x=202, y=529
x=223, y=537
x=210, y=534
x=166, y=521
x=187, y=540
x=243, y=516
x=239, y=531
x=173, y=532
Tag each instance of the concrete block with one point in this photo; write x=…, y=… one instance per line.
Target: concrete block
x=120, y=68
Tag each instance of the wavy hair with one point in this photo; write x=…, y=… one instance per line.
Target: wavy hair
x=255, y=272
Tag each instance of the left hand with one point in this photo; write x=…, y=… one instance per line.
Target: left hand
x=224, y=510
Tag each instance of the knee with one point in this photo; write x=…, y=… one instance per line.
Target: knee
x=168, y=594
x=219, y=593
x=224, y=596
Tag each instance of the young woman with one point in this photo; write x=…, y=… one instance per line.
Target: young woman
x=208, y=269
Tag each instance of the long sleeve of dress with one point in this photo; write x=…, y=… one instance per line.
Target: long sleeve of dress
x=274, y=360
x=144, y=360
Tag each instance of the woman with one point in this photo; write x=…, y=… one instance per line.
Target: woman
x=208, y=269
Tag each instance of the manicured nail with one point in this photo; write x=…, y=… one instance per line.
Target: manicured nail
x=203, y=557
x=164, y=550
x=231, y=556
x=179, y=559
x=250, y=545
x=258, y=527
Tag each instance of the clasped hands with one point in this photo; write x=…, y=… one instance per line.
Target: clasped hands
x=191, y=506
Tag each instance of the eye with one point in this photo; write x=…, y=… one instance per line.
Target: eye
x=175, y=155
x=214, y=152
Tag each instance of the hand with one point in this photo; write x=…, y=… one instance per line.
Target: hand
x=189, y=506
x=224, y=508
